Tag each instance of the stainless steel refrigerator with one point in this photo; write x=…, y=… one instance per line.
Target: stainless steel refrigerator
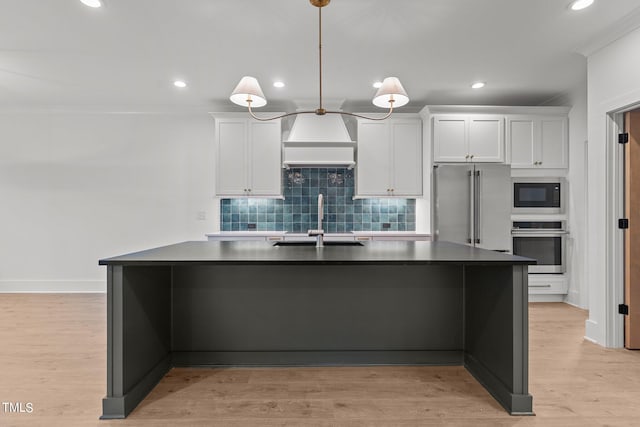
x=472, y=205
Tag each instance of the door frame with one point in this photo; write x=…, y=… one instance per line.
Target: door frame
x=614, y=328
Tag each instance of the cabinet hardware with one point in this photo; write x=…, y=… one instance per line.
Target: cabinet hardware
x=540, y=286
x=466, y=157
x=472, y=156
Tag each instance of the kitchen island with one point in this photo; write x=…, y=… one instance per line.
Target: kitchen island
x=253, y=303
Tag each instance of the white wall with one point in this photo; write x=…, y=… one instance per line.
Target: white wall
x=77, y=187
x=577, y=204
x=613, y=84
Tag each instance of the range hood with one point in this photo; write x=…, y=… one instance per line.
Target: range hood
x=318, y=141
x=318, y=157
x=314, y=129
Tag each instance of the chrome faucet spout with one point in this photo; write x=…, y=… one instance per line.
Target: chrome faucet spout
x=320, y=210
x=319, y=232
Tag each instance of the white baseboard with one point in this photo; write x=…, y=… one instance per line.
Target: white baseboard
x=53, y=286
x=574, y=298
x=591, y=331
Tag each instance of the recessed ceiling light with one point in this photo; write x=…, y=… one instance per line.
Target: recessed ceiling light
x=278, y=84
x=478, y=85
x=377, y=85
x=581, y=4
x=92, y=3
x=180, y=84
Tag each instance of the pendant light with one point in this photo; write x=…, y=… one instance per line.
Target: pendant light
x=390, y=95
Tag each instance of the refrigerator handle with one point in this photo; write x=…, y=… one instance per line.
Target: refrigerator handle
x=477, y=207
x=472, y=206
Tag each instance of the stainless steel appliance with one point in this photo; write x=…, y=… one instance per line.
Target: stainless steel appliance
x=472, y=205
x=543, y=241
x=539, y=195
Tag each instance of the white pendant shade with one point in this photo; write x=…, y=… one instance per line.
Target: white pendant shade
x=248, y=88
x=391, y=89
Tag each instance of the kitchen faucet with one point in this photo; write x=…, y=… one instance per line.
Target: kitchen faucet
x=319, y=232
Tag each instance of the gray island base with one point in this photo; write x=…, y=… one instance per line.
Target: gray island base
x=253, y=304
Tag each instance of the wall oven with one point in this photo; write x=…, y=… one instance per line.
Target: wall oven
x=543, y=241
x=539, y=195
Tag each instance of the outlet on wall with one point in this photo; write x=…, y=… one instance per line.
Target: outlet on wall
x=201, y=216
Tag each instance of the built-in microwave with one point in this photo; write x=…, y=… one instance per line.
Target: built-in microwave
x=539, y=195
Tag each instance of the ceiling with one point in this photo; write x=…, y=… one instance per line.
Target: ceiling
x=62, y=54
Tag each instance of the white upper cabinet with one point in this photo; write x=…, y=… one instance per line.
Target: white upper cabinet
x=248, y=154
x=450, y=139
x=538, y=141
x=389, y=158
x=468, y=138
x=554, y=142
x=373, y=163
x=521, y=135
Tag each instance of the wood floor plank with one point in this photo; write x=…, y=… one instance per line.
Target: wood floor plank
x=53, y=354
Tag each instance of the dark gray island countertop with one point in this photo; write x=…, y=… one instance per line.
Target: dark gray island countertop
x=419, y=252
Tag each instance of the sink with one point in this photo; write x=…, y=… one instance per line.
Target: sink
x=313, y=243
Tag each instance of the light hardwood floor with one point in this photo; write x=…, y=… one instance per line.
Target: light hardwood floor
x=52, y=354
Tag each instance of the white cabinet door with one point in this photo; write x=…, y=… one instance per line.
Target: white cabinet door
x=389, y=158
x=406, y=139
x=248, y=158
x=450, y=141
x=468, y=138
x=373, y=165
x=486, y=138
x=554, y=147
x=231, y=137
x=264, y=162
x=521, y=135
x=538, y=142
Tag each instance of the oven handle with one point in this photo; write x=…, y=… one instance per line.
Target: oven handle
x=541, y=233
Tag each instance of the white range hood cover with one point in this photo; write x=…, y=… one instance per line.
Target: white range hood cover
x=318, y=157
x=311, y=128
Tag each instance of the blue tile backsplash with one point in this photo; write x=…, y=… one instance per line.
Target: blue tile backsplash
x=298, y=212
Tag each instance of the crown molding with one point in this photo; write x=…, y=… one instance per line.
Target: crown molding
x=624, y=26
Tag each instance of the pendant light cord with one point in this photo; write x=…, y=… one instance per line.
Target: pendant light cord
x=320, y=108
